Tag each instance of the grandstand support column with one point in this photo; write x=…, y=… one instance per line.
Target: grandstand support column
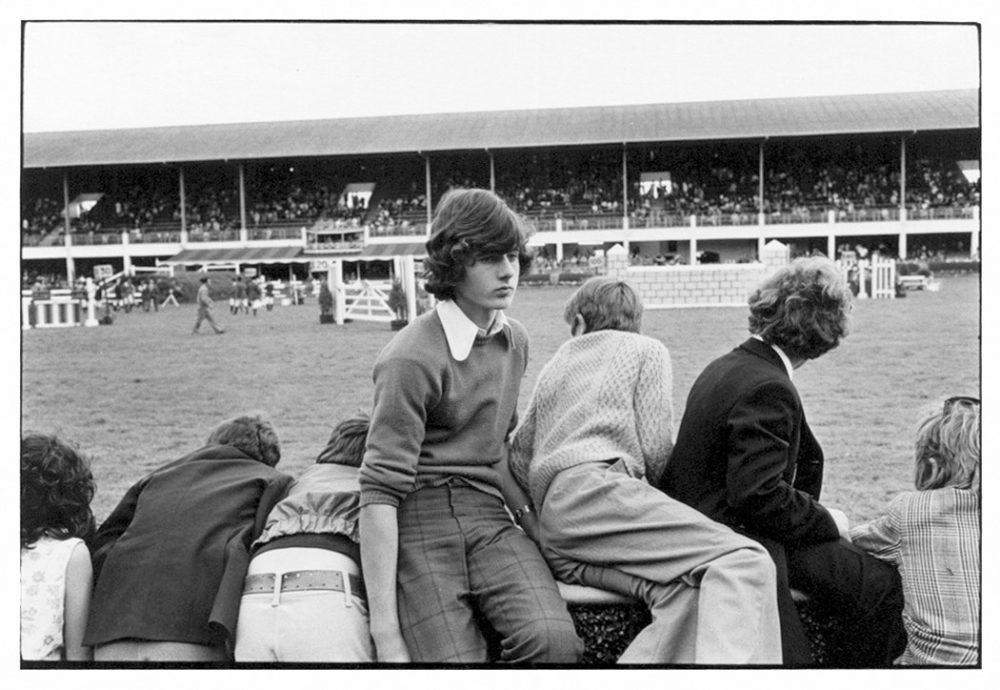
x=126, y=255
x=831, y=247
x=761, y=241
x=902, y=176
x=693, y=252
x=243, y=206
x=974, y=243
x=336, y=282
x=427, y=188
x=760, y=182
x=903, y=249
x=184, y=229
x=70, y=267
x=409, y=287
x=493, y=172
x=70, y=264
x=625, y=186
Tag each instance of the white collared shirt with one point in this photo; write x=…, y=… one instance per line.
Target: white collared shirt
x=784, y=358
x=460, y=331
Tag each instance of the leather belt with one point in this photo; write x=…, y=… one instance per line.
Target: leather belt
x=301, y=580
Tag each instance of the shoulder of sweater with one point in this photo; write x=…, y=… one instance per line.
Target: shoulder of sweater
x=621, y=340
x=422, y=339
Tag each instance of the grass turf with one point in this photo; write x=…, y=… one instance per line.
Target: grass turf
x=144, y=391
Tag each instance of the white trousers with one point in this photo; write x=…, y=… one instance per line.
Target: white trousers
x=303, y=626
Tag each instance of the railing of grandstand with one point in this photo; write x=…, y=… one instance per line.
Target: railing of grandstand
x=96, y=238
x=213, y=236
x=398, y=230
x=870, y=214
x=592, y=222
x=722, y=219
x=941, y=213
x=156, y=236
x=813, y=215
x=346, y=246
x=276, y=233
x=661, y=220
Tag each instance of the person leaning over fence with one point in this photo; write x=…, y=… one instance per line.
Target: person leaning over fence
x=304, y=597
x=933, y=536
x=439, y=551
x=745, y=456
x=169, y=561
x=56, y=574
x=597, y=430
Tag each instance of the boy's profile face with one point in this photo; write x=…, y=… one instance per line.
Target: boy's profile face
x=488, y=286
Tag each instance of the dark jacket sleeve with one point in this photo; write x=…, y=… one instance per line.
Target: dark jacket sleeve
x=759, y=473
x=809, y=476
x=114, y=526
x=226, y=607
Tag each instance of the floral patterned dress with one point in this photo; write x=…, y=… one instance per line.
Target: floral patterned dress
x=43, y=592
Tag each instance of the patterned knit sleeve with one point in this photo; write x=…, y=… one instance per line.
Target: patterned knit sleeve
x=654, y=409
x=881, y=536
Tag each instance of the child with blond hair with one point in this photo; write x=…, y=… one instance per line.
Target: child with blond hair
x=933, y=536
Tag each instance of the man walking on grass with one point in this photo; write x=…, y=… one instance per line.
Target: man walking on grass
x=205, y=303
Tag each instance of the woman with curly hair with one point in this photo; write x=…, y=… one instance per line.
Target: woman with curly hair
x=745, y=456
x=56, y=574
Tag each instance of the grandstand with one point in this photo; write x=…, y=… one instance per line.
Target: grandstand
x=675, y=182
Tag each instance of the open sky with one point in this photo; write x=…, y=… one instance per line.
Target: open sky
x=136, y=74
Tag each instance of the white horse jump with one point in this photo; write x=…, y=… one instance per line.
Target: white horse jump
x=366, y=302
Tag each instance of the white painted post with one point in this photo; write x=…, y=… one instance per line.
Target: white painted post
x=863, y=268
x=831, y=247
x=693, y=251
x=902, y=245
x=409, y=287
x=335, y=279
x=91, y=303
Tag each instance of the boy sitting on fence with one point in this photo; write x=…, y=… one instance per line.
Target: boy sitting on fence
x=597, y=429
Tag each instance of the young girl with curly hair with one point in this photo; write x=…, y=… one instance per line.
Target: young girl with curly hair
x=56, y=573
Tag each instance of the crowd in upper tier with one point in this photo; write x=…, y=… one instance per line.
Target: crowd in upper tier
x=802, y=182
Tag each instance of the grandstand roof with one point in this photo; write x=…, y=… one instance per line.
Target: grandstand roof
x=708, y=120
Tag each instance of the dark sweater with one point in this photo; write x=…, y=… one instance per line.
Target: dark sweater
x=435, y=417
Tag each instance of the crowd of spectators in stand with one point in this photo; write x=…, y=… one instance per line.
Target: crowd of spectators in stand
x=801, y=184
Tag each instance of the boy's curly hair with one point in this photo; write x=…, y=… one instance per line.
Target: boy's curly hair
x=56, y=490
x=470, y=224
x=803, y=308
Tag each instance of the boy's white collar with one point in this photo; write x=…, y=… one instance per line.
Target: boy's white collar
x=784, y=358
x=460, y=331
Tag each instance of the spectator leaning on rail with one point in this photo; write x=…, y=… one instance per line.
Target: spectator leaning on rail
x=439, y=551
x=304, y=599
x=596, y=432
x=169, y=561
x=746, y=457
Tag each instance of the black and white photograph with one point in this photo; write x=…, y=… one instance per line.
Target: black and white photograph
x=469, y=339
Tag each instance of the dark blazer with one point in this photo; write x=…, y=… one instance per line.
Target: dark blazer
x=170, y=560
x=745, y=455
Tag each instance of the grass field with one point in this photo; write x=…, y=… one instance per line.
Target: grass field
x=145, y=391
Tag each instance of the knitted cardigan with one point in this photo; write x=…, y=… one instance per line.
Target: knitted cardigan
x=603, y=395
